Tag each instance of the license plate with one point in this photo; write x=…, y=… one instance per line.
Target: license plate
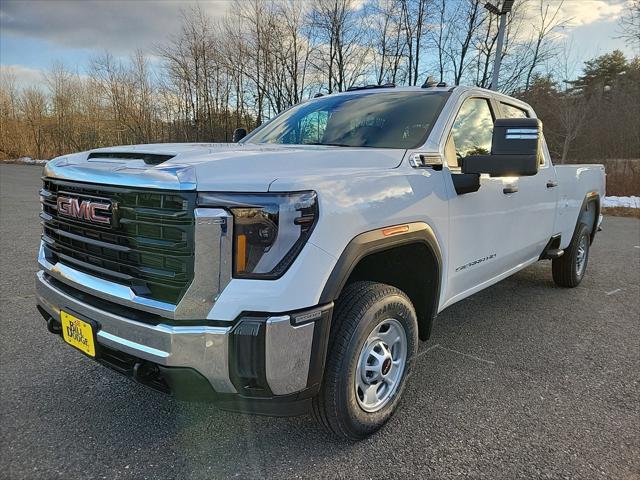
x=78, y=333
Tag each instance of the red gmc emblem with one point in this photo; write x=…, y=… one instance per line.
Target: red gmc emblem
x=88, y=210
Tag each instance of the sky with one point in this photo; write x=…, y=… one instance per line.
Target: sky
x=36, y=33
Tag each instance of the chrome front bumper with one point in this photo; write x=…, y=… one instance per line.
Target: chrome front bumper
x=206, y=349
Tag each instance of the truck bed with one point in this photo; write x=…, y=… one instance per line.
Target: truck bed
x=576, y=182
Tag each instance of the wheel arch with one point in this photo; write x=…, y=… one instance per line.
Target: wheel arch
x=406, y=256
x=589, y=213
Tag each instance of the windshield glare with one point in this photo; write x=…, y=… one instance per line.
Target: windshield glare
x=377, y=120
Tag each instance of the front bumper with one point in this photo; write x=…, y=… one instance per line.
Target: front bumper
x=261, y=363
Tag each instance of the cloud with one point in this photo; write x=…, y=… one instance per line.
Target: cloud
x=117, y=25
x=586, y=12
x=23, y=76
x=573, y=18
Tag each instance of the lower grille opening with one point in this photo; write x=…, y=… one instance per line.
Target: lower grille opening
x=139, y=370
x=183, y=383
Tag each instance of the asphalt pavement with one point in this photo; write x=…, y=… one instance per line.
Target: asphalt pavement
x=523, y=380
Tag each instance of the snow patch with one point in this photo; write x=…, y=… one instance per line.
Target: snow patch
x=26, y=161
x=629, y=202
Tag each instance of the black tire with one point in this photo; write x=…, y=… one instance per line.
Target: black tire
x=566, y=269
x=361, y=308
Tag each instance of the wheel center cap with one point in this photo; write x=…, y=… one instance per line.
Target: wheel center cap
x=386, y=366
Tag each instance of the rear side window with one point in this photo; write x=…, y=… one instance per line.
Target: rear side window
x=473, y=128
x=511, y=111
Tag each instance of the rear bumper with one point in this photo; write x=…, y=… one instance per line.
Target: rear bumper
x=260, y=363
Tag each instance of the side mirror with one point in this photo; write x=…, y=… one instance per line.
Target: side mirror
x=239, y=134
x=515, y=149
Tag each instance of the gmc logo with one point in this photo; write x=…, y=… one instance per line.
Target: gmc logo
x=88, y=210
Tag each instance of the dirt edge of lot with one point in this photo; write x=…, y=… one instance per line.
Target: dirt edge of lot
x=622, y=212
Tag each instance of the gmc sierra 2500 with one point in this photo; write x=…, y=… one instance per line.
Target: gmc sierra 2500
x=297, y=269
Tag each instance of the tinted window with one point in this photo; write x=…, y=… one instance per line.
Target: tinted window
x=510, y=111
x=382, y=120
x=473, y=128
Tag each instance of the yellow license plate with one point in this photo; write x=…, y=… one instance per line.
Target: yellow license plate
x=78, y=333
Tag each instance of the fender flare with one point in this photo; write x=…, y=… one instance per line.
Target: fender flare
x=376, y=241
x=590, y=197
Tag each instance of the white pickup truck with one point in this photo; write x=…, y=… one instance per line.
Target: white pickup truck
x=297, y=269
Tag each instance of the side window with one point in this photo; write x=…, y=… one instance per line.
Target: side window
x=511, y=111
x=473, y=128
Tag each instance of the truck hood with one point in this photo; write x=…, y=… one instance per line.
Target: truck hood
x=216, y=167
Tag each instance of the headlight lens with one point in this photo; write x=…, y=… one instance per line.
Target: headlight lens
x=269, y=230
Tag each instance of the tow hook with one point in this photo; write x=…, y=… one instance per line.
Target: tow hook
x=53, y=326
x=143, y=371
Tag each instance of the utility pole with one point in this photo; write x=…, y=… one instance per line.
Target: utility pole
x=502, y=15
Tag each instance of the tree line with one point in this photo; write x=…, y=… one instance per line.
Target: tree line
x=240, y=69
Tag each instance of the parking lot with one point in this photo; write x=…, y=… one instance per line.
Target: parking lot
x=522, y=380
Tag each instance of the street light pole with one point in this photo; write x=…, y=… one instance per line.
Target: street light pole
x=502, y=15
x=498, y=59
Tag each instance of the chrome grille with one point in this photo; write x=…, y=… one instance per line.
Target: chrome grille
x=148, y=247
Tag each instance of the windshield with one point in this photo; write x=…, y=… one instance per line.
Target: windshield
x=378, y=120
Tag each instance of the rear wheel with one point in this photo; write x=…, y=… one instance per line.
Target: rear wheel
x=372, y=346
x=568, y=270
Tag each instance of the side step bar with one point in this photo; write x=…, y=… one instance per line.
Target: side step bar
x=552, y=249
x=554, y=253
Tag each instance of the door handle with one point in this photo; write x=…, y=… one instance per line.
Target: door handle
x=511, y=189
x=552, y=184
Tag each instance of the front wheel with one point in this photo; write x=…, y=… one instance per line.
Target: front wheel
x=568, y=270
x=372, y=346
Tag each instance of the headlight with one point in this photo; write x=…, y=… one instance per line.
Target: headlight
x=269, y=229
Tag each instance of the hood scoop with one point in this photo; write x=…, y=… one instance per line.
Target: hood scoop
x=148, y=158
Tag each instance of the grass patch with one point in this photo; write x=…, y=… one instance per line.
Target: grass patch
x=622, y=212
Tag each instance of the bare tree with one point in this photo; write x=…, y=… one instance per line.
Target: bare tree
x=33, y=106
x=630, y=24
x=10, y=125
x=543, y=49
x=441, y=38
x=338, y=29
x=63, y=89
x=386, y=36
x=414, y=20
x=189, y=66
x=572, y=111
x=469, y=16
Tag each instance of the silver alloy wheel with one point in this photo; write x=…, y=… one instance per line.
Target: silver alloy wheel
x=581, y=255
x=381, y=364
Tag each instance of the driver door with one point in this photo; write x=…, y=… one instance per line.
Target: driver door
x=482, y=224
